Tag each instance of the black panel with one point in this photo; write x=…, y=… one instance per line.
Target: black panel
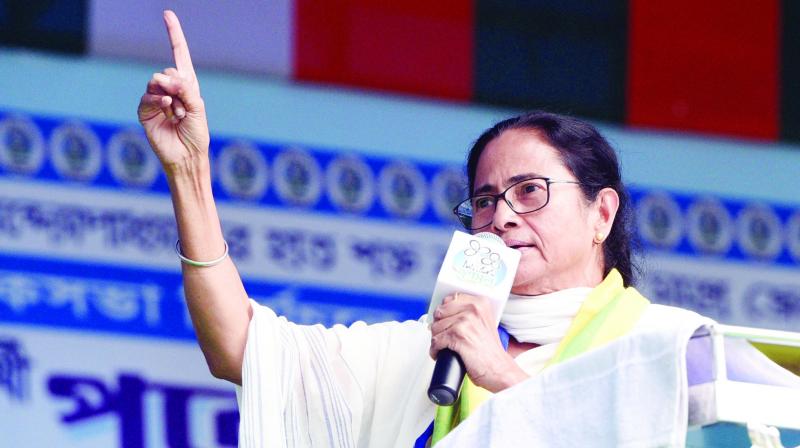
x=562, y=56
x=790, y=70
x=53, y=25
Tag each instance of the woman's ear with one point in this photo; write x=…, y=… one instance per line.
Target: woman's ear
x=607, y=203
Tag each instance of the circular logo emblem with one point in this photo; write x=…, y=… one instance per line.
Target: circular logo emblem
x=298, y=178
x=21, y=145
x=350, y=184
x=660, y=220
x=709, y=225
x=402, y=190
x=131, y=160
x=75, y=151
x=478, y=263
x=242, y=170
x=448, y=188
x=793, y=235
x=759, y=231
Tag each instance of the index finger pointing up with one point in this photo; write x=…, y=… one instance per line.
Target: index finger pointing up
x=180, y=49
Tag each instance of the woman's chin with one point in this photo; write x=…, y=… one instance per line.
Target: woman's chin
x=529, y=283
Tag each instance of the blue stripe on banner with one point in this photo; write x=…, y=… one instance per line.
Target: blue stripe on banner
x=254, y=172
x=717, y=228
x=150, y=303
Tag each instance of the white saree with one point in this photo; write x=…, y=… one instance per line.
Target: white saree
x=364, y=385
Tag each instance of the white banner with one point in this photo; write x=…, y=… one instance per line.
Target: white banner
x=66, y=388
x=735, y=293
x=113, y=227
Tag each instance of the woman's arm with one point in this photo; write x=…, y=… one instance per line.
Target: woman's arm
x=173, y=116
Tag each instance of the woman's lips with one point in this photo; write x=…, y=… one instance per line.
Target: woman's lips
x=519, y=245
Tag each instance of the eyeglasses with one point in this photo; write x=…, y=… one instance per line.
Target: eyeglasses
x=527, y=196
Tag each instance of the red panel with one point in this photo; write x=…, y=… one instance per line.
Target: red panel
x=415, y=46
x=710, y=66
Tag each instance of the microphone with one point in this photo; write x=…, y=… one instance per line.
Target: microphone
x=480, y=265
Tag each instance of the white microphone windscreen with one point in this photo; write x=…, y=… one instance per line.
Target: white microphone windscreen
x=490, y=236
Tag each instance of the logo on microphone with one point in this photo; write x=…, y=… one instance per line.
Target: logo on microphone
x=478, y=263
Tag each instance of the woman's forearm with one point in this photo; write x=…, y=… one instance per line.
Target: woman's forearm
x=216, y=298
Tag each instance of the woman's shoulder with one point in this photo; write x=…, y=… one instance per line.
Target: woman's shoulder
x=407, y=327
x=657, y=310
x=657, y=317
x=262, y=312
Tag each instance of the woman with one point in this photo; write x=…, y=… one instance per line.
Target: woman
x=548, y=185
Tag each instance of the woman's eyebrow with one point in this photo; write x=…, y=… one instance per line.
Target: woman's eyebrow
x=521, y=177
x=486, y=188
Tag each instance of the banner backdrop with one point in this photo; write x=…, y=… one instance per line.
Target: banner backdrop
x=96, y=346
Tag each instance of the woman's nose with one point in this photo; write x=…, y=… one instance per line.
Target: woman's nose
x=504, y=216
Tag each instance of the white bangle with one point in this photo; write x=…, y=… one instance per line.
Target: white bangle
x=201, y=264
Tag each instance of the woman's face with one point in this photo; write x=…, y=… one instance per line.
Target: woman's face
x=556, y=241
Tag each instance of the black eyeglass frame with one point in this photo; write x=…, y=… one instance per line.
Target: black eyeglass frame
x=502, y=195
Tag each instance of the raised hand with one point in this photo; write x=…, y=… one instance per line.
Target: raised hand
x=171, y=110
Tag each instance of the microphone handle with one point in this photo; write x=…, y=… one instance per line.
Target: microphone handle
x=448, y=374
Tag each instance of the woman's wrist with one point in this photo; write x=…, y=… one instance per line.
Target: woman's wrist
x=195, y=210
x=190, y=180
x=513, y=376
x=191, y=167
x=508, y=374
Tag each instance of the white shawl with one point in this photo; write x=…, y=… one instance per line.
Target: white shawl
x=631, y=392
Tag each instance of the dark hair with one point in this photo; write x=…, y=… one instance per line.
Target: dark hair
x=591, y=160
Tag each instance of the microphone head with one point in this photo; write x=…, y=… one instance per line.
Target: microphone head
x=490, y=237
